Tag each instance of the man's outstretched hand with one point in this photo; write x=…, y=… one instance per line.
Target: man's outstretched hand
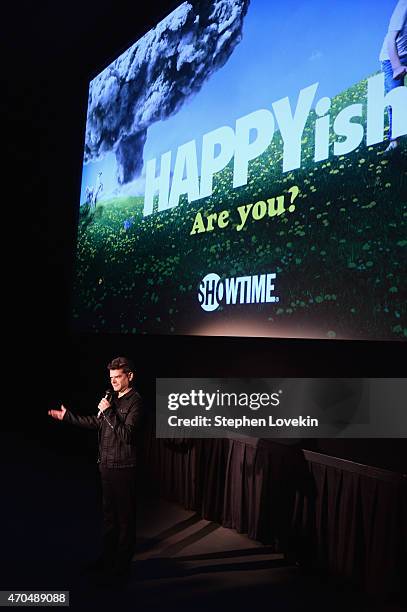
x=58, y=414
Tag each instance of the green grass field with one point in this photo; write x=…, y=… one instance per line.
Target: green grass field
x=339, y=258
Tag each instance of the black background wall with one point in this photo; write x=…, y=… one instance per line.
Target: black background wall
x=52, y=49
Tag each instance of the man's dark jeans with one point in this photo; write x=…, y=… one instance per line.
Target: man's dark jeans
x=119, y=516
x=390, y=83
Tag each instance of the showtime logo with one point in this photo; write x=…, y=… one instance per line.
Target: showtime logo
x=257, y=289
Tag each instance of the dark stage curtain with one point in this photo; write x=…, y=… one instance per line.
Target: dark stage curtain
x=335, y=514
x=356, y=522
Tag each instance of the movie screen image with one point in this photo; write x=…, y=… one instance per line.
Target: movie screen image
x=238, y=178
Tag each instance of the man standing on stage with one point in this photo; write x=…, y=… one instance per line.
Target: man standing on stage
x=393, y=58
x=117, y=423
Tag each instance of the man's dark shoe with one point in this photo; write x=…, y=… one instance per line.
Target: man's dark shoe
x=392, y=147
x=110, y=579
x=94, y=567
x=121, y=572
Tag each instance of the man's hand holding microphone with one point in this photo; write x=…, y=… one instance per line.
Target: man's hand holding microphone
x=105, y=402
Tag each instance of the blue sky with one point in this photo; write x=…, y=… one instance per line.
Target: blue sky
x=286, y=46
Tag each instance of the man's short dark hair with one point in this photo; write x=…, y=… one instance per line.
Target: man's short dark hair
x=121, y=363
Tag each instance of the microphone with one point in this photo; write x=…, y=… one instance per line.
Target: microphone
x=108, y=396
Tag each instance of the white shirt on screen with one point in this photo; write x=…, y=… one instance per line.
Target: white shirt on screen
x=398, y=23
